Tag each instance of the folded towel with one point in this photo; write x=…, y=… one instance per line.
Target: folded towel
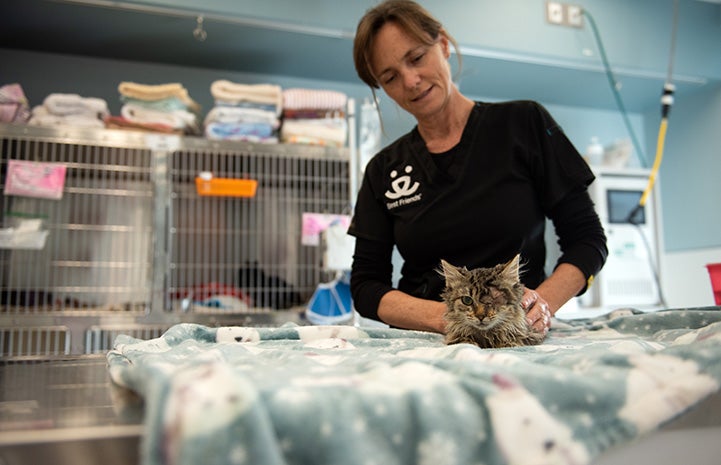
x=118, y=122
x=166, y=104
x=250, y=132
x=312, y=113
x=42, y=111
x=156, y=92
x=74, y=104
x=223, y=114
x=231, y=92
x=243, y=104
x=325, y=131
x=298, y=99
x=14, y=107
x=177, y=119
x=12, y=93
x=42, y=117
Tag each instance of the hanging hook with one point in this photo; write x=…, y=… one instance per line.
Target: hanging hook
x=199, y=33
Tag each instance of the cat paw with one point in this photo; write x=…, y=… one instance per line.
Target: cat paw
x=535, y=338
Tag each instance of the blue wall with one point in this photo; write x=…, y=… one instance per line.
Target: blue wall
x=690, y=178
x=636, y=37
x=636, y=31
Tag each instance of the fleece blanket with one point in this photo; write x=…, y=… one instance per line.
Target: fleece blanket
x=348, y=395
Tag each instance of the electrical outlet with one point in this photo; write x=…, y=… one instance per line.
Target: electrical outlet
x=564, y=14
x=554, y=12
x=574, y=16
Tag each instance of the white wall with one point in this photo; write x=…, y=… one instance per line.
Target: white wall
x=685, y=279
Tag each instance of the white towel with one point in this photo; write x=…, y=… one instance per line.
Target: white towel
x=177, y=119
x=74, y=104
x=320, y=131
x=42, y=117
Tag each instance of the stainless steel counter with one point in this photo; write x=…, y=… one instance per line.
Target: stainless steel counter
x=66, y=411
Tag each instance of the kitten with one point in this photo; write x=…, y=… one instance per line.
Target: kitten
x=484, y=306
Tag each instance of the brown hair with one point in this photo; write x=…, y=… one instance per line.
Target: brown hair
x=410, y=16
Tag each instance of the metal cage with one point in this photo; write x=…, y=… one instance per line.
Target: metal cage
x=131, y=242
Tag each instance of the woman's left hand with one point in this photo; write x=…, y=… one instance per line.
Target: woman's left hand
x=538, y=313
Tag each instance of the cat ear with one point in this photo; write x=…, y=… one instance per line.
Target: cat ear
x=450, y=272
x=512, y=270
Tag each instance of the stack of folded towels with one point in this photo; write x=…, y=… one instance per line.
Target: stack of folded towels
x=244, y=112
x=70, y=110
x=14, y=107
x=159, y=108
x=315, y=117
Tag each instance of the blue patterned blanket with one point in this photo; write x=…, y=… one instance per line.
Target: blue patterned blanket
x=344, y=395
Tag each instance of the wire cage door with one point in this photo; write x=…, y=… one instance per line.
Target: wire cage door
x=229, y=253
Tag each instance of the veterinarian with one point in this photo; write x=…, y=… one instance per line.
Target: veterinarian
x=472, y=183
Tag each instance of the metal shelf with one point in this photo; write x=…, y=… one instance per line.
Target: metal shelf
x=127, y=139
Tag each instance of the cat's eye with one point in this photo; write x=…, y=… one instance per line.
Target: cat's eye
x=466, y=300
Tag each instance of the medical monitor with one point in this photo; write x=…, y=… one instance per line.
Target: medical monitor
x=621, y=203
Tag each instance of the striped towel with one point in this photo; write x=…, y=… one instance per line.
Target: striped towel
x=300, y=99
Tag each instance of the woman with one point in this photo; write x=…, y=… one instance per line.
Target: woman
x=472, y=183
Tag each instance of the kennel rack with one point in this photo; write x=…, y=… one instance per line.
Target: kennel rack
x=133, y=248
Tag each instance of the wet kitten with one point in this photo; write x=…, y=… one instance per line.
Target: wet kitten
x=484, y=306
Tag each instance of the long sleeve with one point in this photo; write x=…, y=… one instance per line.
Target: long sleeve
x=371, y=275
x=580, y=233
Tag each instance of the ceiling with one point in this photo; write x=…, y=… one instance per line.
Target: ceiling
x=249, y=45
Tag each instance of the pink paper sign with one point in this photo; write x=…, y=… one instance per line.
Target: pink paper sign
x=316, y=223
x=35, y=179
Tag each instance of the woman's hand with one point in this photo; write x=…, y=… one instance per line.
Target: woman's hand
x=538, y=313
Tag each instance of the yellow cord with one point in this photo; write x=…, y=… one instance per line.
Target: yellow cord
x=657, y=162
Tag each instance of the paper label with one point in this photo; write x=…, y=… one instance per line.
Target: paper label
x=35, y=179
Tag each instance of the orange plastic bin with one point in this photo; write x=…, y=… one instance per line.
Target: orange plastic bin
x=714, y=271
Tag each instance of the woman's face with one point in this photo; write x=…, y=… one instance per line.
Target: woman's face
x=416, y=76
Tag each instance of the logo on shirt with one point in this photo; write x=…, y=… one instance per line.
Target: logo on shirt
x=402, y=189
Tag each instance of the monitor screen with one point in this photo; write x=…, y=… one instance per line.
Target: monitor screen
x=620, y=205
